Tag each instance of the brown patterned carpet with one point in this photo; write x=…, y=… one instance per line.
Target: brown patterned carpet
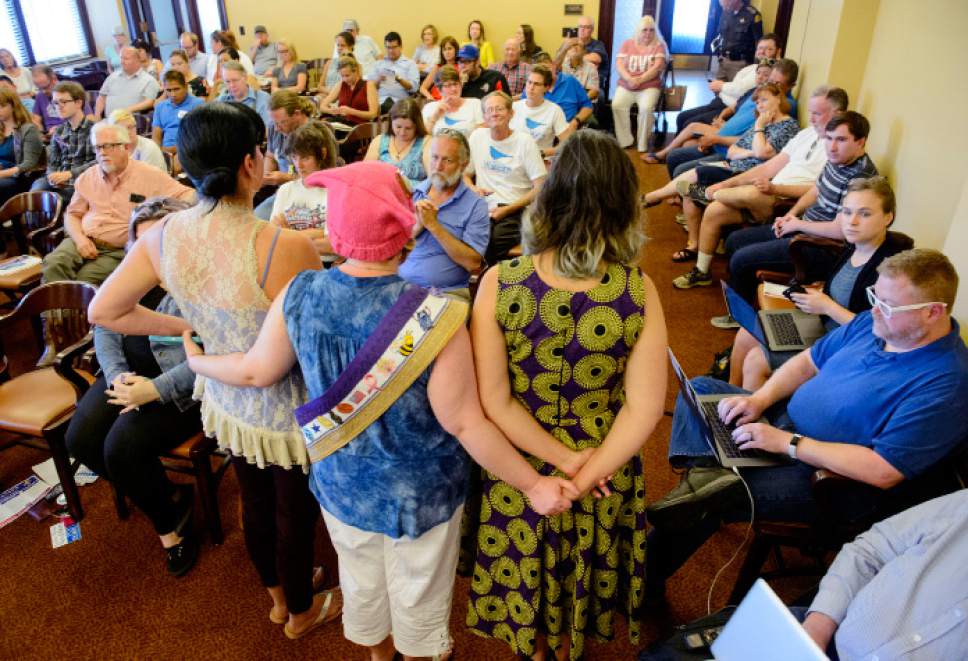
x=108, y=596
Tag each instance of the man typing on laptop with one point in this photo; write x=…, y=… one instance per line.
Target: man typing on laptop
x=879, y=400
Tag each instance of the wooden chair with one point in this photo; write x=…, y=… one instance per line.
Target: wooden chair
x=353, y=147
x=799, y=247
x=142, y=123
x=36, y=406
x=194, y=457
x=27, y=215
x=821, y=540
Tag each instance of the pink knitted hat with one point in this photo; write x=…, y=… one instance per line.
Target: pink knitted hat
x=368, y=215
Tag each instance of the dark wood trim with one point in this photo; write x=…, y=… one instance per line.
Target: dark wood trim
x=86, y=26
x=132, y=14
x=150, y=31
x=784, y=16
x=195, y=24
x=22, y=24
x=606, y=20
x=223, y=15
x=180, y=22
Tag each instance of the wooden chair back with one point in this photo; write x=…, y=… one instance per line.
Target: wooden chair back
x=32, y=214
x=64, y=306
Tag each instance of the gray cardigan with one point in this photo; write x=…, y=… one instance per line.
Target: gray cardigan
x=28, y=148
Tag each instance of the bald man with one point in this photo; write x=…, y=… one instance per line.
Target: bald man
x=513, y=68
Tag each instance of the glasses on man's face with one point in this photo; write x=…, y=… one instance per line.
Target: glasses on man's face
x=888, y=310
x=107, y=146
x=62, y=102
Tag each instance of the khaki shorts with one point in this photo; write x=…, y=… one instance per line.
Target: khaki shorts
x=400, y=586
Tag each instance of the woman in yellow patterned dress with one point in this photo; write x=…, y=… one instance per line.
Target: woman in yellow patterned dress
x=569, y=343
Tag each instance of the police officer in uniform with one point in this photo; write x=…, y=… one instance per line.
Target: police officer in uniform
x=740, y=27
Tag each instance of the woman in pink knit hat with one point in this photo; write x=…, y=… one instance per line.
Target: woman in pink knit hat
x=391, y=383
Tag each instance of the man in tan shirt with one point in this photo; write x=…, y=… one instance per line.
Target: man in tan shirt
x=96, y=220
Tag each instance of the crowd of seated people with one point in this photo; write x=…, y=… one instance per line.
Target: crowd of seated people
x=474, y=163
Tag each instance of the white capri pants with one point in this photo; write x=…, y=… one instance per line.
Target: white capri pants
x=400, y=586
x=621, y=113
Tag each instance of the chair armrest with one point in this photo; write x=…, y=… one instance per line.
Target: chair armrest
x=799, y=257
x=64, y=363
x=774, y=276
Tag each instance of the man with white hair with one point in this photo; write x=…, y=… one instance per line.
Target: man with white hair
x=96, y=220
x=365, y=51
x=129, y=88
x=453, y=221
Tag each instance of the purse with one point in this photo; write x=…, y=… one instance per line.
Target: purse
x=673, y=96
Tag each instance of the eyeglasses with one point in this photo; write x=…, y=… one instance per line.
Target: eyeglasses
x=888, y=310
x=108, y=145
x=63, y=102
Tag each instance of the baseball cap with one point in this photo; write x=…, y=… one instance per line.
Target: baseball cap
x=468, y=52
x=261, y=28
x=350, y=24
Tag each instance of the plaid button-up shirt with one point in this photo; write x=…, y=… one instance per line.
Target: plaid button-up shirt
x=517, y=76
x=70, y=149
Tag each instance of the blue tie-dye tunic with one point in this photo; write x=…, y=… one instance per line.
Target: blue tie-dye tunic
x=404, y=474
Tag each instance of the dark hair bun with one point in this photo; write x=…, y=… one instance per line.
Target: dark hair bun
x=217, y=183
x=213, y=141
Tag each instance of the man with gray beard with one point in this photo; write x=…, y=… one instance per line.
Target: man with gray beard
x=453, y=224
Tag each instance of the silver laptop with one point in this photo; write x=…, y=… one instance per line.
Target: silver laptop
x=780, y=330
x=764, y=629
x=718, y=434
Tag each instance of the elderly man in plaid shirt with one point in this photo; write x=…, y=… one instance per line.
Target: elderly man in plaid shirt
x=70, y=151
x=513, y=69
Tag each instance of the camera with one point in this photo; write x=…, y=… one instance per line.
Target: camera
x=569, y=32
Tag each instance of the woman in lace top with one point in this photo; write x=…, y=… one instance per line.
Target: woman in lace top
x=217, y=261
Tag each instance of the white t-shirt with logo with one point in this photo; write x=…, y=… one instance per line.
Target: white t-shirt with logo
x=508, y=167
x=543, y=122
x=467, y=118
x=302, y=206
x=808, y=156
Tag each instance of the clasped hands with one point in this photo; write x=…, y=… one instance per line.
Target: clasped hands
x=552, y=495
x=131, y=391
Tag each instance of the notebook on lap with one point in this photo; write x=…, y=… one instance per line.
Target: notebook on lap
x=780, y=330
x=718, y=434
x=763, y=629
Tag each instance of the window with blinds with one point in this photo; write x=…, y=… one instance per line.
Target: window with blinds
x=49, y=31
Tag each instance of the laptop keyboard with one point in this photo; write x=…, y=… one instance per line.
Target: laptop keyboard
x=723, y=434
x=722, y=431
x=784, y=329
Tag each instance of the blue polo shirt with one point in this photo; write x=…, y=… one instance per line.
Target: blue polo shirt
x=569, y=94
x=745, y=116
x=465, y=216
x=168, y=116
x=255, y=99
x=911, y=408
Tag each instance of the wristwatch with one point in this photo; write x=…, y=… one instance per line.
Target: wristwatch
x=792, y=448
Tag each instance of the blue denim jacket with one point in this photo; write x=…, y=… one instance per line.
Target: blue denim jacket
x=176, y=381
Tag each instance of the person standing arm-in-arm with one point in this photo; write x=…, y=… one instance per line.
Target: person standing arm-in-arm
x=452, y=392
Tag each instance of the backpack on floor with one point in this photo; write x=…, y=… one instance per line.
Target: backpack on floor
x=681, y=646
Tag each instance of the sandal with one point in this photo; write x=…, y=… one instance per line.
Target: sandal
x=326, y=615
x=685, y=255
x=651, y=158
x=319, y=579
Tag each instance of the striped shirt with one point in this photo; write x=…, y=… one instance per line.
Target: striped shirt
x=832, y=184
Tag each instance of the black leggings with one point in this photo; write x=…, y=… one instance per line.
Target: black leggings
x=124, y=448
x=279, y=513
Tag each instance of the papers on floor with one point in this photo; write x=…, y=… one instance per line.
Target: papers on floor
x=21, y=497
x=48, y=473
x=64, y=532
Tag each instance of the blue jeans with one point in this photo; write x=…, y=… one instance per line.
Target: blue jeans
x=756, y=248
x=684, y=159
x=780, y=492
x=264, y=210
